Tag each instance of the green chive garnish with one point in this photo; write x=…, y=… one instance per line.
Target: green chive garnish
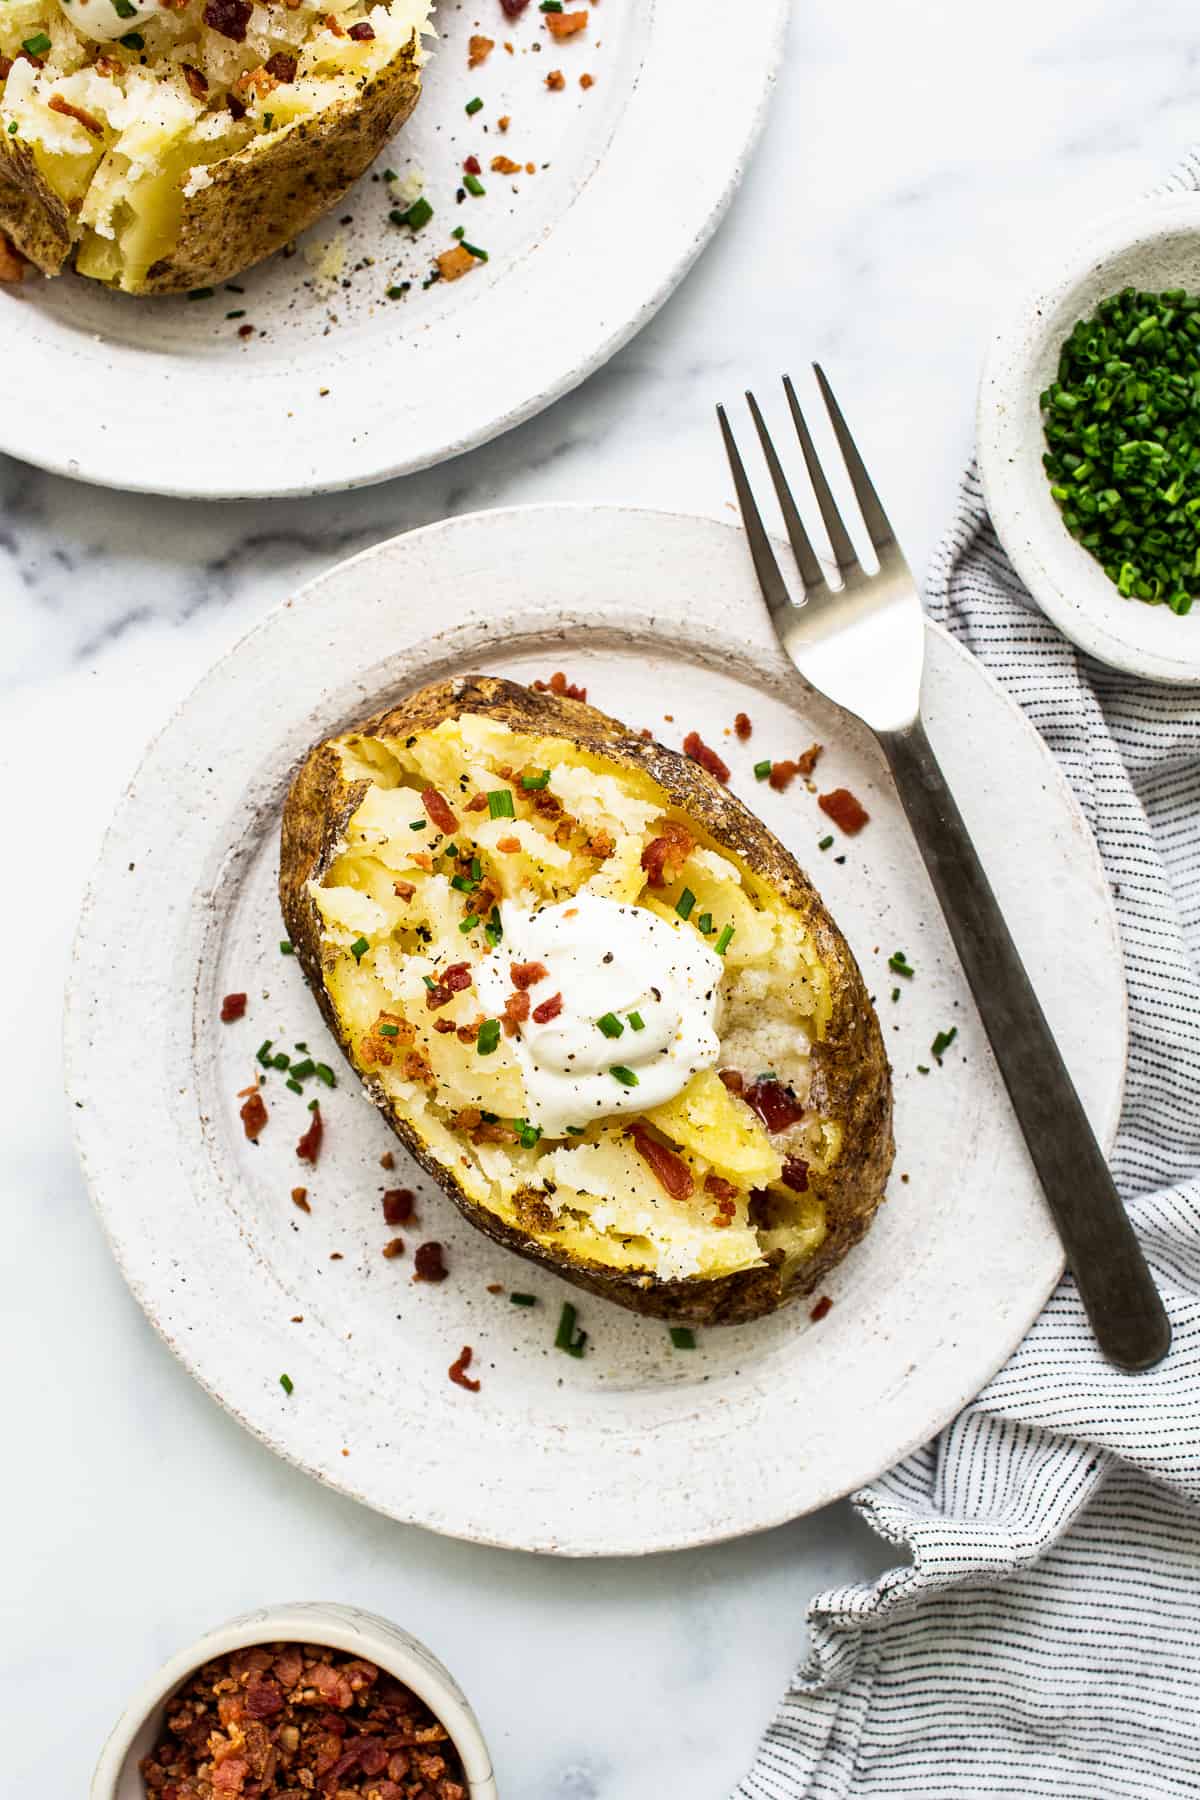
x=473, y=106
x=295, y=1086
x=417, y=215
x=636, y=1020
x=474, y=186
x=12, y=130
x=825, y=843
x=895, y=994
x=469, y=923
x=922, y=1069
x=281, y=1060
x=398, y=292
x=262, y=1054
x=40, y=43
x=240, y=313
x=493, y=931
x=417, y=824
x=625, y=1076
x=762, y=770
x=576, y=1130
x=359, y=948
x=523, y=1299
x=286, y=1383
x=942, y=1043
x=899, y=965
x=550, y=6
x=389, y=1031
x=540, y=780
x=566, y=1337
x=683, y=1337
x=476, y=869
x=463, y=883
x=459, y=233
x=198, y=293
x=324, y=1073
x=529, y=1134
x=723, y=942
x=133, y=40
x=610, y=1025
x=705, y=923
x=488, y=1037
x=301, y=1071
x=475, y=251
x=286, y=948
x=268, y=121
x=500, y=804
x=685, y=903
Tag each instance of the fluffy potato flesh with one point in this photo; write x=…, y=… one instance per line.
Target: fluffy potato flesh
x=400, y=900
x=108, y=144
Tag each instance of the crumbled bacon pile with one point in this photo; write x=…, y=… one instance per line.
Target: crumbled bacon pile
x=664, y=856
x=699, y=752
x=846, y=811
x=298, y=1720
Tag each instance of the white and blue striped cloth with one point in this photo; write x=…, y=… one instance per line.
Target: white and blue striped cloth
x=1040, y=1634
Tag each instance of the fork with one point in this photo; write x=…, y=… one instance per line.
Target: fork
x=862, y=644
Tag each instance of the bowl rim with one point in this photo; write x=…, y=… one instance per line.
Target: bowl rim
x=1052, y=566
x=334, y=1626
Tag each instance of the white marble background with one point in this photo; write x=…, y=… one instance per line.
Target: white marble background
x=920, y=158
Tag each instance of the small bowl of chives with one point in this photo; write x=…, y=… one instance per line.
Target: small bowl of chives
x=1089, y=440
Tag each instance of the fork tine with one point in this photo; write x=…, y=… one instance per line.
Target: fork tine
x=874, y=517
x=844, y=553
x=806, y=560
x=770, y=578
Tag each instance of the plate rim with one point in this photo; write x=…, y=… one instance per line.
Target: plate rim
x=707, y=1533
x=773, y=18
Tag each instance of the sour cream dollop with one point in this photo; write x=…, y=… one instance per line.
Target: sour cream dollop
x=608, y=961
x=100, y=19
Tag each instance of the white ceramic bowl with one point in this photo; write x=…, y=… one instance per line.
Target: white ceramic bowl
x=1153, y=246
x=304, y=1622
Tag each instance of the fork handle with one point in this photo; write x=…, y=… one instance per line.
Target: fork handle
x=1114, y=1282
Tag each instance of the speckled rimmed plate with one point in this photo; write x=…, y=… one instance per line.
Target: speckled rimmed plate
x=1154, y=245
x=637, y=1446
x=338, y=385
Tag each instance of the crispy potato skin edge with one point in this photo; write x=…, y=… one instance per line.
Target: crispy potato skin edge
x=257, y=201
x=851, y=1080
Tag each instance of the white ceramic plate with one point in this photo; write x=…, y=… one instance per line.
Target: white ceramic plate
x=637, y=1447
x=341, y=386
x=1153, y=246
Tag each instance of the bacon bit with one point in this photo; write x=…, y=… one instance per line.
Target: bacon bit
x=600, y=845
x=196, y=79
x=6, y=67
x=309, y=1147
x=473, y=166
x=457, y=977
x=428, y=1264
x=548, y=804
x=398, y=1204
x=423, y=860
x=103, y=65
x=664, y=856
x=254, y=1116
x=387, y=1160
x=504, y=165
x=699, y=752
x=732, y=1079
x=556, y=81
x=415, y=1066
x=469, y=1032
x=514, y=8
x=479, y=48
x=565, y=25
x=282, y=66
x=233, y=1006
x=669, y=1170
x=436, y=996
x=362, y=33
x=824, y=1304
x=458, y=1371
x=438, y=810
x=505, y=120
x=478, y=804
x=845, y=811
x=719, y=1187
x=508, y=846
x=88, y=120
x=776, y=1105
x=549, y=1009
x=808, y=759
x=646, y=734
x=300, y=1199
x=466, y=1119
x=335, y=25
x=444, y=1025
x=236, y=107
x=795, y=1174
x=525, y=975
x=587, y=81
x=456, y=263
x=742, y=727
x=725, y=1213
x=558, y=684
x=229, y=17
x=516, y=1011
x=393, y=1248
x=404, y=890
x=252, y=1089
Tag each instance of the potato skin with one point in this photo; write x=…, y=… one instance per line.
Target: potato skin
x=851, y=1080
x=257, y=200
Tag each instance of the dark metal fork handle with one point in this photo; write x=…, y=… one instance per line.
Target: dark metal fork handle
x=1116, y=1286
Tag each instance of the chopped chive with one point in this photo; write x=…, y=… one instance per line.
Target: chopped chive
x=550, y=6
x=475, y=251
x=430, y=983
x=825, y=843
x=942, y=1043
x=895, y=994
x=476, y=869
x=493, y=931
x=566, y=1337
x=540, y=780
x=389, y=1031
x=240, y=311
x=416, y=216
x=463, y=883
x=762, y=770
x=40, y=43
x=287, y=1384
x=281, y=1060
x=490, y=1118
x=268, y=121
x=398, y=292
x=705, y=923
x=922, y=1069
x=500, y=804
x=625, y=1076
x=899, y=965
x=723, y=942
x=13, y=128
x=685, y=903
x=417, y=824
x=202, y=293
x=303, y=1047
x=576, y=1130
x=530, y=1135
x=488, y=1037
x=390, y=175
x=636, y=1020
x=262, y=1054
x=523, y=1299
x=302, y=1070
x=474, y=186
x=133, y=40
x=295, y=1086
x=469, y=923
x=286, y=947
x=325, y=1073
x=313, y=1105
x=359, y=948
x=459, y=232
x=683, y=1337
x=473, y=106
x=610, y=1025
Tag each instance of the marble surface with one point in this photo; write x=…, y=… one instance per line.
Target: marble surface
x=919, y=159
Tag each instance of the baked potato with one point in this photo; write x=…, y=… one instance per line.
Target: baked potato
x=166, y=145
x=594, y=996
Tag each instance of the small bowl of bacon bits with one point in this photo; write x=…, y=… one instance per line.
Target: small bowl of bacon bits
x=302, y=1702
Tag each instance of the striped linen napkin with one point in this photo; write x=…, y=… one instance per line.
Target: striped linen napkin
x=1040, y=1634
